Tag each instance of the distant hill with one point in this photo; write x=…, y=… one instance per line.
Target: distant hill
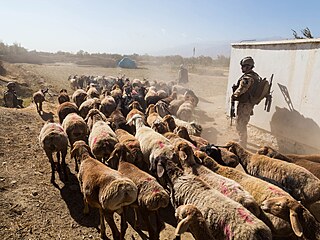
x=211, y=49
x=205, y=49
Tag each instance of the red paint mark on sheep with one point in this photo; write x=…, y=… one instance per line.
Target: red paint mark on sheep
x=245, y=215
x=161, y=144
x=275, y=190
x=224, y=189
x=227, y=232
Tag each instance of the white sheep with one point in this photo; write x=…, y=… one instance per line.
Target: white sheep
x=102, y=139
x=259, y=189
x=226, y=218
x=298, y=181
x=151, y=195
x=224, y=185
x=153, y=145
x=53, y=138
x=103, y=188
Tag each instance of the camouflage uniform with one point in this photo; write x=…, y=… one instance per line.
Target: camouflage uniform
x=245, y=106
x=10, y=97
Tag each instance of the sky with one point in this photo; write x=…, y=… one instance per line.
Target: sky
x=150, y=26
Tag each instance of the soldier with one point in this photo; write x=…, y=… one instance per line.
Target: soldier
x=183, y=74
x=10, y=97
x=242, y=94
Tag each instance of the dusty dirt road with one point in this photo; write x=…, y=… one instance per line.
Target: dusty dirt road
x=30, y=206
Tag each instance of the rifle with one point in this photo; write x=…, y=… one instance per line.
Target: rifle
x=267, y=104
x=232, y=108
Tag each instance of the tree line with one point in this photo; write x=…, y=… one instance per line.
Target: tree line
x=15, y=53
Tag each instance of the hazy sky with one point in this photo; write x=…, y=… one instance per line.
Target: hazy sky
x=149, y=26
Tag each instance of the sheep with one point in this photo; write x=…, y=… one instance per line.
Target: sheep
x=93, y=116
x=92, y=92
x=79, y=96
x=185, y=111
x=222, y=184
x=192, y=127
x=133, y=144
x=221, y=155
x=261, y=190
x=108, y=105
x=190, y=218
x=226, y=218
x=38, y=98
x=103, y=188
x=152, y=96
x=151, y=195
x=87, y=105
x=298, y=181
x=136, y=108
x=76, y=129
x=65, y=108
x=162, y=108
x=153, y=145
x=63, y=96
x=182, y=132
x=52, y=138
x=152, y=115
x=302, y=221
x=102, y=140
x=311, y=166
x=174, y=105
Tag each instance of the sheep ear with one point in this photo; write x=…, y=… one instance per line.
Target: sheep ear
x=183, y=226
x=73, y=153
x=295, y=224
x=160, y=170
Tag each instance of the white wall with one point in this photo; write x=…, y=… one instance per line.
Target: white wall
x=296, y=66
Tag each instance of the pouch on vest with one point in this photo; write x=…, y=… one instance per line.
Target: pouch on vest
x=259, y=91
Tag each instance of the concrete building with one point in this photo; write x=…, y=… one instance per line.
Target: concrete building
x=294, y=118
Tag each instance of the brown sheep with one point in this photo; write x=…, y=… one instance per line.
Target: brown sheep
x=313, y=167
x=103, y=188
x=65, y=108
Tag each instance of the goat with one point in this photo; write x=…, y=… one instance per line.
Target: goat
x=39, y=98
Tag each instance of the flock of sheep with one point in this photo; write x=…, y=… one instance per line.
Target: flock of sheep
x=137, y=149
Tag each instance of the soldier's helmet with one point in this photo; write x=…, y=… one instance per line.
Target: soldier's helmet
x=11, y=85
x=247, y=61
